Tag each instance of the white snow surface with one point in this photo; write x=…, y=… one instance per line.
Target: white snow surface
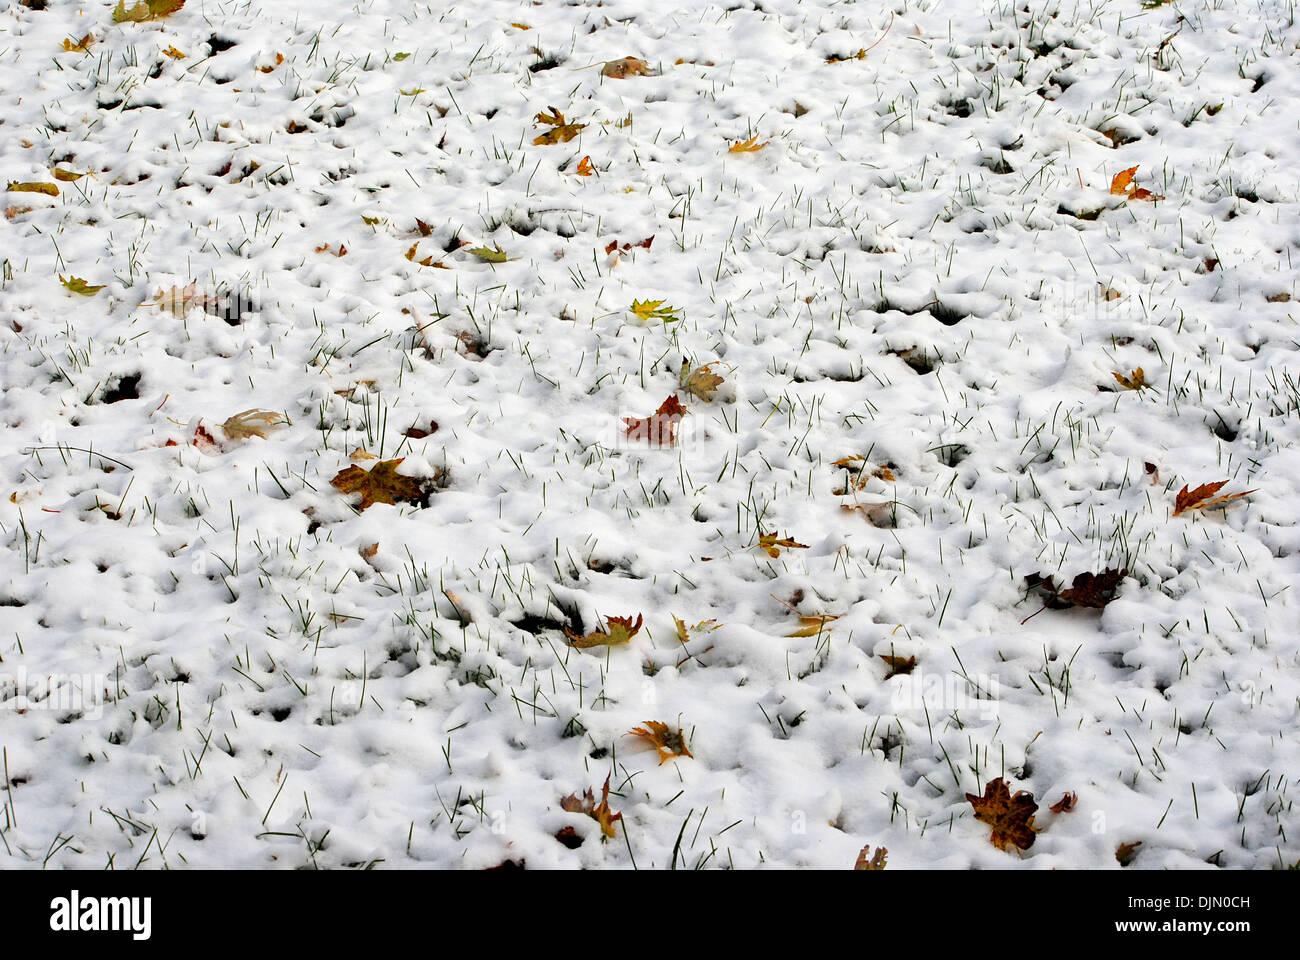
x=201, y=667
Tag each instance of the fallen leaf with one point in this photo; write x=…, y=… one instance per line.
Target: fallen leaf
x=624, y=68
x=493, y=255
x=145, y=10
x=279, y=59
x=860, y=55
x=1137, y=380
x=649, y=310
x=584, y=168
x=668, y=743
x=77, y=285
x=1202, y=498
x=684, y=633
x=898, y=665
x=658, y=428
x=361, y=455
x=618, y=630
x=701, y=382
x=174, y=53
x=1153, y=472
x=1086, y=590
x=1125, y=853
x=179, y=301
x=747, y=146
x=1011, y=817
x=399, y=57
x=601, y=813
x=876, y=861
x=773, y=545
x=49, y=189
x=66, y=175
x=411, y=255
x=1121, y=185
x=562, y=131
x=252, y=423
x=1065, y=804
x=814, y=625
x=78, y=46
x=380, y=484
x=879, y=514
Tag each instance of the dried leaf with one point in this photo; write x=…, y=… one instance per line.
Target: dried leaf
x=1121, y=185
x=773, y=545
x=1086, y=590
x=77, y=285
x=897, y=665
x=624, y=68
x=1011, y=817
x=174, y=53
x=875, y=861
x=145, y=10
x=411, y=255
x=66, y=175
x=179, y=301
x=1202, y=498
x=601, y=813
x=660, y=427
x=380, y=484
x=252, y=423
x=584, y=168
x=78, y=46
x=618, y=630
x=878, y=514
x=701, y=382
x=49, y=189
x=747, y=146
x=1137, y=380
x=814, y=625
x=399, y=57
x=668, y=743
x=684, y=632
x=561, y=132
x=1065, y=804
x=1125, y=853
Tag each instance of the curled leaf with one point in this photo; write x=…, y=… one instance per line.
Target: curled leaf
x=252, y=423
x=77, y=285
x=875, y=861
x=49, y=189
x=1137, y=380
x=601, y=813
x=773, y=545
x=1203, y=497
x=625, y=67
x=663, y=738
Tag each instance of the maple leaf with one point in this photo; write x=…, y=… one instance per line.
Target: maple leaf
x=380, y=484
x=875, y=861
x=1011, y=817
x=584, y=168
x=1126, y=852
x=684, y=633
x=496, y=255
x=252, y=423
x=660, y=427
x=77, y=285
x=174, y=53
x=1137, y=380
x=145, y=10
x=78, y=46
x=601, y=813
x=1121, y=185
x=701, y=382
x=1065, y=804
x=1085, y=590
x=649, y=310
x=897, y=665
x=1202, y=498
x=561, y=132
x=178, y=301
x=618, y=630
x=668, y=743
x=747, y=146
x=814, y=625
x=625, y=67
x=49, y=189
x=773, y=545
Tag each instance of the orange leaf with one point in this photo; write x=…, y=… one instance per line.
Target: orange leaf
x=624, y=68
x=618, y=630
x=1011, y=817
x=380, y=484
x=584, y=168
x=874, y=862
x=601, y=813
x=1065, y=804
x=747, y=146
x=668, y=743
x=898, y=665
x=1202, y=498
x=660, y=427
x=770, y=543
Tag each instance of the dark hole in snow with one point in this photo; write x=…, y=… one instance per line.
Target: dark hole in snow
x=569, y=837
x=126, y=387
x=280, y=714
x=548, y=62
x=1222, y=430
x=998, y=165
x=950, y=454
x=220, y=44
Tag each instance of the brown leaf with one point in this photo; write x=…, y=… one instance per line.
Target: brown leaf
x=814, y=625
x=1202, y=498
x=1086, y=590
x=1065, y=804
x=668, y=743
x=1121, y=185
x=624, y=68
x=252, y=423
x=561, y=132
x=380, y=484
x=898, y=665
x=701, y=382
x=660, y=427
x=874, y=862
x=1137, y=380
x=601, y=813
x=1011, y=817
x=1125, y=853
x=618, y=630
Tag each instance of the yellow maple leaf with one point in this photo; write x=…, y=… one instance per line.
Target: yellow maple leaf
x=772, y=544
x=77, y=285
x=747, y=146
x=663, y=738
x=1135, y=381
x=78, y=46
x=649, y=310
x=174, y=53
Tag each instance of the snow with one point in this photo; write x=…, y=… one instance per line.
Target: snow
x=923, y=266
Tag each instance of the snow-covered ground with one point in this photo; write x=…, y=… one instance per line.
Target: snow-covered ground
x=212, y=657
